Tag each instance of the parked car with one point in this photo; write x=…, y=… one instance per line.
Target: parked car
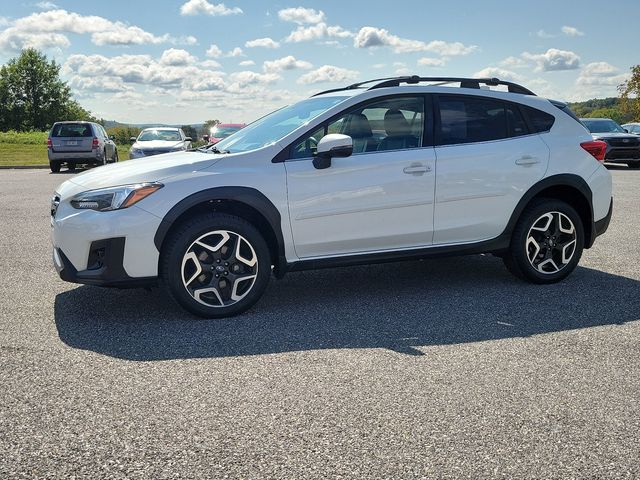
x=154, y=141
x=622, y=147
x=222, y=131
x=79, y=143
x=310, y=186
x=632, y=128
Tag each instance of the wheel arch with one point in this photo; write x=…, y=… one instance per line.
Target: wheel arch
x=244, y=202
x=568, y=188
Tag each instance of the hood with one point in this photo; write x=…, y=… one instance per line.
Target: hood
x=157, y=145
x=152, y=169
x=597, y=136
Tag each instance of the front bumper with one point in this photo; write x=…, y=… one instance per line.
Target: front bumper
x=105, y=269
x=104, y=248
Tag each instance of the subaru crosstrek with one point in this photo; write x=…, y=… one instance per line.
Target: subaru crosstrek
x=378, y=171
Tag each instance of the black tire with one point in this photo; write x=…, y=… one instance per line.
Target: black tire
x=54, y=165
x=115, y=156
x=547, y=249
x=105, y=159
x=182, y=241
x=633, y=165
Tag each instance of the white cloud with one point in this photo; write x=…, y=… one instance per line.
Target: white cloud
x=554, y=60
x=245, y=78
x=209, y=64
x=301, y=15
x=572, y=31
x=327, y=73
x=47, y=29
x=600, y=74
x=501, y=73
x=320, y=30
x=46, y=5
x=430, y=62
x=378, y=37
x=177, y=57
x=285, y=63
x=379, y=65
x=513, y=62
x=262, y=42
x=236, y=52
x=544, y=34
x=214, y=51
x=99, y=84
x=203, y=7
x=247, y=63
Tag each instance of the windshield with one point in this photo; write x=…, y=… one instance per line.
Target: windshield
x=223, y=132
x=164, y=135
x=271, y=128
x=602, y=126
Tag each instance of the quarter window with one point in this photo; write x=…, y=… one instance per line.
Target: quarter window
x=382, y=125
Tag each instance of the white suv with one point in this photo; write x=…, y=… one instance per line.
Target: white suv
x=384, y=170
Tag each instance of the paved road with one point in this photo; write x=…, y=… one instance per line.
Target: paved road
x=438, y=369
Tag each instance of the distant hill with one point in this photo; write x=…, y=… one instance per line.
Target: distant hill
x=602, y=107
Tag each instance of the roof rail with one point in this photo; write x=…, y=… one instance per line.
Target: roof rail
x=415, y=79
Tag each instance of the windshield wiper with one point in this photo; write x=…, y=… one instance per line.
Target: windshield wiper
x=207, y=148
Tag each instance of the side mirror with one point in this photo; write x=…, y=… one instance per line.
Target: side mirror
x=205, y=138
x=332, y=145
x=133, y=139
x=187, y=139
x=626, y=130
x=112, y=137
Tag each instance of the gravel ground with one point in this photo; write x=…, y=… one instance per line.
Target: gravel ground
x=437, y=369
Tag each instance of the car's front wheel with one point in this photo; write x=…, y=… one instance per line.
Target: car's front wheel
x=216, y=265
x=547, y=242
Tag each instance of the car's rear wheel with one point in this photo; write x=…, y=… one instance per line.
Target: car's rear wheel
x=216, y=265
x=54, y=165
x=547, y=242
x=115, y=157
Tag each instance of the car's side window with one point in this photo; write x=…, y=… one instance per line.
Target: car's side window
x=466, y=119
x=395, y=123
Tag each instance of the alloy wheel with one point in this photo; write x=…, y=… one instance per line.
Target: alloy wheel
x=551, y=242
x=219, y=268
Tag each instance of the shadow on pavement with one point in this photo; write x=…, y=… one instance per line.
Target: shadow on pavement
x=394, y=306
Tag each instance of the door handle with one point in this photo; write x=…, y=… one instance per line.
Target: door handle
x=527, y=160
x=417, y=169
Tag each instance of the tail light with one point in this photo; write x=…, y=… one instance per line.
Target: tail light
x=597, y=148
x=95, y=143
x=49, y=143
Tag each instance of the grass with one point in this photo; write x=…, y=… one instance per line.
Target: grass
x=17, y=154
x=25, y=138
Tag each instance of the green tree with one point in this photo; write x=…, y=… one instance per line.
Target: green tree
x=123, y=133
x=208, y=125
x=630, y=94
x=189, y=131
x=32, y=96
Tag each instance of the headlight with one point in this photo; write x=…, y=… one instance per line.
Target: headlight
x=135, y=151
x=113, y=198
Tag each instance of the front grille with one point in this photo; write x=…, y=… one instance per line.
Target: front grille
x=619, y=153
x=147, y=153
x=55, y=201
x=624, y=142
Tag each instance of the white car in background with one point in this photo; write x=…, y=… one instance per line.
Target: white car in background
x=373, y=172
x=154, y=141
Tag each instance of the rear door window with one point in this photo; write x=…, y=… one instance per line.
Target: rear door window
x=72, y=130
x=465, y=119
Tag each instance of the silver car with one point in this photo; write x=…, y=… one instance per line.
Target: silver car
x=153, y=141
x=75, y=143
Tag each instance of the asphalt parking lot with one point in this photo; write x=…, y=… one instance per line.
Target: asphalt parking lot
x=438, y=369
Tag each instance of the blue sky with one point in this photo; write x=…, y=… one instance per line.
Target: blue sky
x=186, y=61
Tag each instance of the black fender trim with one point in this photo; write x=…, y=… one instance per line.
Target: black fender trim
x=247, y=195
x=560, y=180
